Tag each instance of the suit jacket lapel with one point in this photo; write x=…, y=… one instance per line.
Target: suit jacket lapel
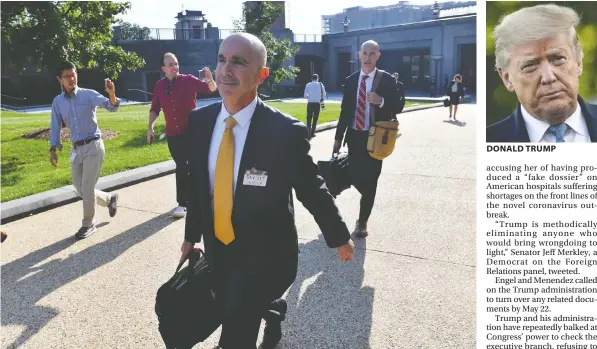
x=353, y=85
x=207, y=133
x=590, y=114
x=520, y=130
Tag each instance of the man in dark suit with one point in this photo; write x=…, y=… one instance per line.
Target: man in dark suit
x=401, y=96
x=544, y=74
x=513, y=128
x=247, y=158
x=357, y=102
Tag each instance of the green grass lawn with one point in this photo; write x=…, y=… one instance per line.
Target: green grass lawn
x=26, y=168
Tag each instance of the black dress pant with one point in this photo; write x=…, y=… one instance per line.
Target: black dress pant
x=243, y=300
x=364, y=170
x=312, y=114
x=178, y=146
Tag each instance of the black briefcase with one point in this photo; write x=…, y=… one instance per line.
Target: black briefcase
x=185, y=305
x=336, y=174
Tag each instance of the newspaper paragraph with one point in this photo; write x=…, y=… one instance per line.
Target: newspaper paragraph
x=540, y=240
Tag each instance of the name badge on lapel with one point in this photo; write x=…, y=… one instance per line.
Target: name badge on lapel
x=255, y=178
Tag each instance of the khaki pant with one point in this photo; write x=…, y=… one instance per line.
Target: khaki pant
x=85, y=169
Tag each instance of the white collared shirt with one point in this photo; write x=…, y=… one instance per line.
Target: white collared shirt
x=368, y=87
x=240, y=131
x=577, y=131
x=313, y=91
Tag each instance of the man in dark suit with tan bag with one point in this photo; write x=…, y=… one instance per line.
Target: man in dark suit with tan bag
x=367, y=93
x=246, y=159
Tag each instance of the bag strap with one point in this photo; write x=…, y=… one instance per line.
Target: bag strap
x=321, y=88
x=376, y=81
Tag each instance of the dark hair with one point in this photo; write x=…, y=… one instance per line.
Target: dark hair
x=64, y=65
x=458, y=76
x=164, y=56
x=314, y=77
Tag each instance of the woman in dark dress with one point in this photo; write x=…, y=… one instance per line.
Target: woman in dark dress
x=455, y=91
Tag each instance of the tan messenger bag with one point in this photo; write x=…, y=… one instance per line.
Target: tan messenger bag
x=382, y=136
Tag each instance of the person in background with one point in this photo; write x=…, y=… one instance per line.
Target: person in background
x=431, y=86
x=75, y=108
x=176, y=95
x=314, y=92
x=455, y=91
x=401, y=96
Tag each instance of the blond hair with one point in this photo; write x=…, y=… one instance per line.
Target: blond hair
x=534, y=23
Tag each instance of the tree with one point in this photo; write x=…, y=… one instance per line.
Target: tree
x=257, y=19
x=501, y=102
x=130, y=31
x=44, y=33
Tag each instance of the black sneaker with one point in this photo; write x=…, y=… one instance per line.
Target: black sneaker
x=85, y=232
x=112, y=206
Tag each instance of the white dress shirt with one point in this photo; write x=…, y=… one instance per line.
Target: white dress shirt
x=313, y=91
x=369, y=86
x=240, y=131
x=577, y=131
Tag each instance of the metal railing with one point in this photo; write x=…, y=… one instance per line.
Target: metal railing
x=174, y=34
x=307, y=38
x=192, y=34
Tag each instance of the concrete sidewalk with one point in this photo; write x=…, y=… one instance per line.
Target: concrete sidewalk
x=33, y=204
x=411, y=285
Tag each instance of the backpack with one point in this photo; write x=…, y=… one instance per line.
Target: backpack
x=382, y=136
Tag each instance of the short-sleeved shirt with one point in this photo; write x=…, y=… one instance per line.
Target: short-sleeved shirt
x=178, y=104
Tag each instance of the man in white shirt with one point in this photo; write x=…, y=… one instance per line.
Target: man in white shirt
x=314, y=92
x=544, y=74
x=247, y=158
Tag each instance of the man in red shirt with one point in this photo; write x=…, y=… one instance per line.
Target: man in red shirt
x=176, y=95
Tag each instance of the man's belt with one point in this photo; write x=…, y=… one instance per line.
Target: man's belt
x=86, y=141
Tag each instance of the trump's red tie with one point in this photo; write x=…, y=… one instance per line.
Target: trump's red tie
x=361, y=104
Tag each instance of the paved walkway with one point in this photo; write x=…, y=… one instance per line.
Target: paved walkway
x=411, y=285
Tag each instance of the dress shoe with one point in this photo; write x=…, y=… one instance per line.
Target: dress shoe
x=360, y=230
x=271, y=335
x=273, y=324
x=85, y=232
x=4, y=236
x=113, y=205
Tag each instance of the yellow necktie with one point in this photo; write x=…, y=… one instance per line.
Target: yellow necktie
x=224, y=186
